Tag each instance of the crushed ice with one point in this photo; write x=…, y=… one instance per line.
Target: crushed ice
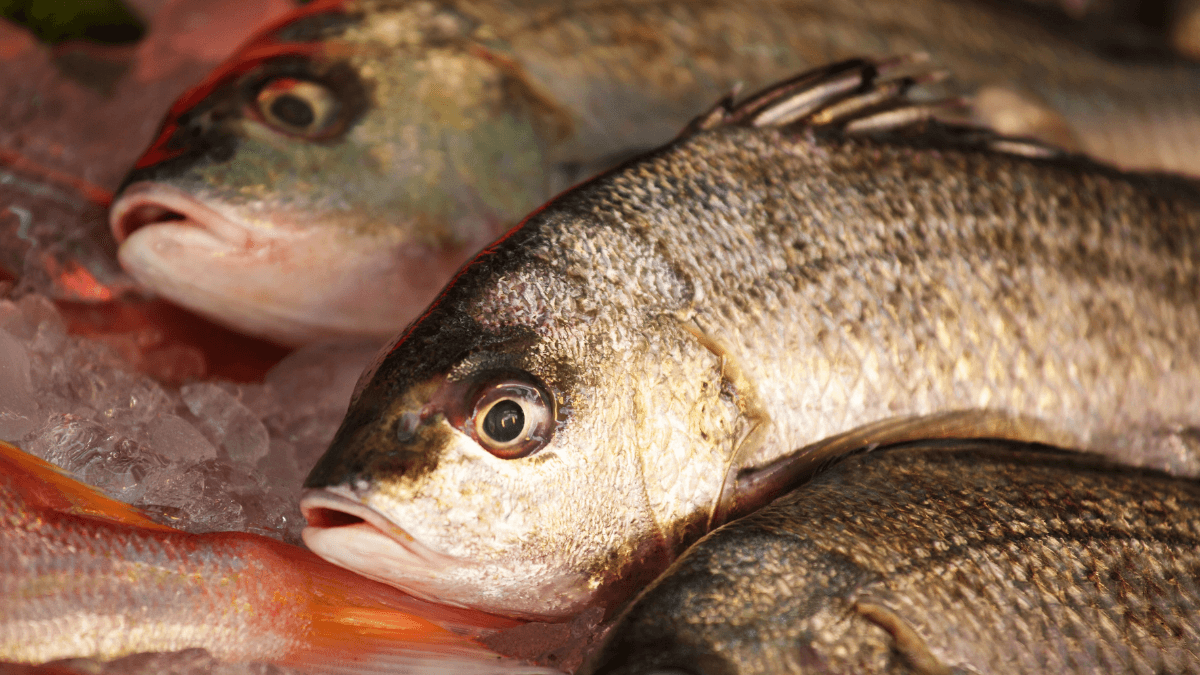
x=207, y=456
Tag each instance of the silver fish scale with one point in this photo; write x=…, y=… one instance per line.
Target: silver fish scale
x=75, y=588
x=853, y=281
x=977, y=558
x=717, y=318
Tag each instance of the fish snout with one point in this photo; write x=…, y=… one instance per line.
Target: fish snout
x=348, y=533
x=150, y=205
x=328, y=508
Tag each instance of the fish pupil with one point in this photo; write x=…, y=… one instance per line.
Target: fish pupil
x=293, y=110
x=504, y=421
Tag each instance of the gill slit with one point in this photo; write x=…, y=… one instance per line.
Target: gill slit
x=752, y=409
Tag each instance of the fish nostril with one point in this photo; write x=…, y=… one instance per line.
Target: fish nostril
x=142, y=215
x=328, y=518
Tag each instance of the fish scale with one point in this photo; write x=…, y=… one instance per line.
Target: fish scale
x=83, y=576
x=936, y=557
x=718, y=317
x=426, y=129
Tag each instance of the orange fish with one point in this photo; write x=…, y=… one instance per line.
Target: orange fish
x=85, y=576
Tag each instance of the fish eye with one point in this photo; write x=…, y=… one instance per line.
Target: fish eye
x=298, y=107
x=511, y=418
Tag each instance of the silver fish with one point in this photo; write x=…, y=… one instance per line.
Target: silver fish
x=332, y=176
x=937, y=557
x=806, y=273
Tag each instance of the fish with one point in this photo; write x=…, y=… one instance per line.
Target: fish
x=813, y=270
x=331, y=177
x=83, y=576
x=936, y=557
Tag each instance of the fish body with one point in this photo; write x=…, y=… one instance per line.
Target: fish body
x=794, y=277
x=331, y=177
x=936, y=557
x=84, y=576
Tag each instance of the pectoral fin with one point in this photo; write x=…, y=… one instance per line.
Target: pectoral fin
x=758, y=485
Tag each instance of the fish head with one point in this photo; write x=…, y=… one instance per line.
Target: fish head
x=330, y=177
x=506, y=455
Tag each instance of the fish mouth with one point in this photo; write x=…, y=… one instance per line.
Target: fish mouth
x=346, y=532
x=147, y=204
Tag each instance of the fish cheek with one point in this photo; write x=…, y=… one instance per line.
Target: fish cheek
x=383, y=438
x=411, y=461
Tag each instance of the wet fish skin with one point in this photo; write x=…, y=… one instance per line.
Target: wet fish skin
x=751, y=297
x=936, y=557
x=450, y=121
x=84, y=576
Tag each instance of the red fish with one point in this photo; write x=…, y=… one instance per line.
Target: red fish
x=84, y=576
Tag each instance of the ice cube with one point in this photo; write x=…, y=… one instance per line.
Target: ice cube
x=18, y=410
x=85, y=448
x=312, y=388
x=173, y=437
x=200, y=458
x=226, y=422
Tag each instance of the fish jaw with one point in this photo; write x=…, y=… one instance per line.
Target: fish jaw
x=147, y=204
x=291, y=285
x=484, y=564
x=373, y=546
x=534, y=536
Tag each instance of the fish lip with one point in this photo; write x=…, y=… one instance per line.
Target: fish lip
x=364, y=553
x=341, y=498
x=147, y=204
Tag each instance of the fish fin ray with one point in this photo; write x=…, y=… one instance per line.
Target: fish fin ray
x=363, y=640
x=833, y=96
x=42, y=484
x=714, y=116
x=759, y=485
x=905, y=640
x=863, y=96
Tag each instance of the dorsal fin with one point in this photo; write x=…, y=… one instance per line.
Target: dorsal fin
x=843, y=95
x=861, y=96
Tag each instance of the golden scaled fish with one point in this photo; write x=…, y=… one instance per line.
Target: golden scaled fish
x=806, y=273
x=330, y=178
x=85, y=576
x=936, y=557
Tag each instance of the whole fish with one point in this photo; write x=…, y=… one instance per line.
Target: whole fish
x=936, y=557
x=806, y=273
x=331, y=177
x=84, y=576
